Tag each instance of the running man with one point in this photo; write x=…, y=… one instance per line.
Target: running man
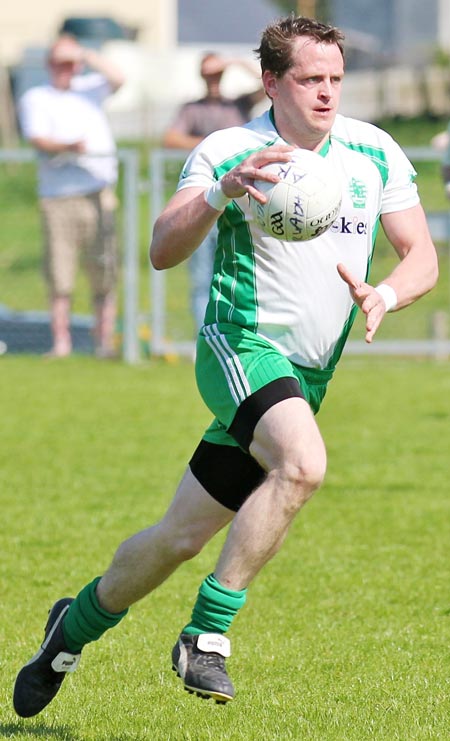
x=276, y=323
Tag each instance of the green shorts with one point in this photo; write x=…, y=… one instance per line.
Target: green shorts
x=233, y=363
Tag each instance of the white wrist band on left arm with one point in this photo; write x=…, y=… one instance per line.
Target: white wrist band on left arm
x=215, y=197
x=388, y=295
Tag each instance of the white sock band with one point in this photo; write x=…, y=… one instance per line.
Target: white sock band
x=215, y=196
x=388, y=295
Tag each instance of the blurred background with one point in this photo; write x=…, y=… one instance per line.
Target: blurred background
x=398, y=76
x=397, y=51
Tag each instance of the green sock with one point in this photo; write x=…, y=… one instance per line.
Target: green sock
x=86, y=621
x=215, y=607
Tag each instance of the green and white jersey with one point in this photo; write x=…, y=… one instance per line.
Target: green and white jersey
x=291, y=293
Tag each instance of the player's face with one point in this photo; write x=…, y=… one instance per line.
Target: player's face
x=306, y=98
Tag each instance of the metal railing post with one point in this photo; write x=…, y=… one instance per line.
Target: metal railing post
x=130, y=160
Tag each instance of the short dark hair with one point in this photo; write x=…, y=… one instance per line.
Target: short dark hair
x=275, y=49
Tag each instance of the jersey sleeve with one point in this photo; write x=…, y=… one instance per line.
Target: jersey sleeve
x=400, y=191
x=198, y=170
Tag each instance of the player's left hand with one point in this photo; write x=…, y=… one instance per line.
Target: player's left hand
x=367, y=298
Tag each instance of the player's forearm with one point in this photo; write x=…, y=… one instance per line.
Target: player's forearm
x=417, y=271
x=179, y=231
x=415, y=275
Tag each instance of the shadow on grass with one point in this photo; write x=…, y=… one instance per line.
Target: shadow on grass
x=14, y=730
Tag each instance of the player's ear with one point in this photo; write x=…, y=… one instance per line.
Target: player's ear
x=270, y=82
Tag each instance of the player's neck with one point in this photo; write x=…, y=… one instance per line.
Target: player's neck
x=313, y=142
x=303, y=138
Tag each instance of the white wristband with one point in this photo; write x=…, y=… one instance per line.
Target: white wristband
x=388, y=295
x=215, y=197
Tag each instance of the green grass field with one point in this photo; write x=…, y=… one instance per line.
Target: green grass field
x=346, y=633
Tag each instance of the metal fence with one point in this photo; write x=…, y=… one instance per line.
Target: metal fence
x=155, y=317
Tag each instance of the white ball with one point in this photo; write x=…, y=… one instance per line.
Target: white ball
x=304, y=203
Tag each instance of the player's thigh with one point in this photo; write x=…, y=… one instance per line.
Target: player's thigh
x=287, y=436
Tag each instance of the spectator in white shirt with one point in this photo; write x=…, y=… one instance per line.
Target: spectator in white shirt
x=77, y=172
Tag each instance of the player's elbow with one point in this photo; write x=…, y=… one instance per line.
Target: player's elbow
x=431, y=274
x=156, y=255
x=434, y=273
x=160, y=252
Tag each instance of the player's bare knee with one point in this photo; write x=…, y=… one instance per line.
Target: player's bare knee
x=184, y=541
x=187, y=546
x=313, y=473
x=303, y=478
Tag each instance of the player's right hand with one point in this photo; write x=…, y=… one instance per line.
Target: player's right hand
x=240, y=180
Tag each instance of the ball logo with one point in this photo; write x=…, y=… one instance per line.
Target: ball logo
x=305, y=201
x=276, y=223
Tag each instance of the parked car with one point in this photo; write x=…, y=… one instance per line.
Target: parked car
x=97, y=30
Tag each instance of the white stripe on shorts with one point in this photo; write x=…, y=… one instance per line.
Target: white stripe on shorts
x=230, y=363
